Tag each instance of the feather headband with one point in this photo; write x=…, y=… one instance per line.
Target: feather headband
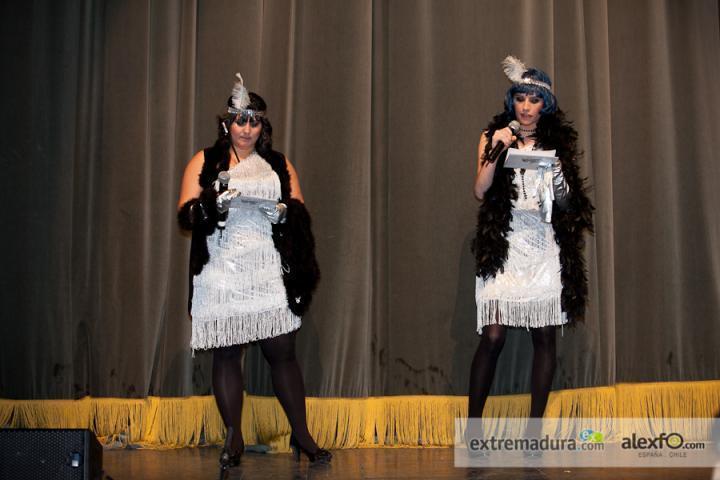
x=239, y=98
x=514, y=69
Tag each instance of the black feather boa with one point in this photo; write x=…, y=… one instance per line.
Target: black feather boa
x=293, y=239
x=570, y=225
x=296, y=244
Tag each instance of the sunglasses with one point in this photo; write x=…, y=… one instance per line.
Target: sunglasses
x=248, y=116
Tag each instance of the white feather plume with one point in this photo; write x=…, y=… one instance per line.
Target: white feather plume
x=513, y=68
x=240, y=96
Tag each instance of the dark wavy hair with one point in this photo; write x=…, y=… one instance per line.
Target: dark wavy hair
x=263, y=145
x=549, y=101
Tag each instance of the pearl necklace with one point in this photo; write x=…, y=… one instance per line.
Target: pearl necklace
x=527, y=133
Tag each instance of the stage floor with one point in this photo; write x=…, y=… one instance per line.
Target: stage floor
x=380, y=463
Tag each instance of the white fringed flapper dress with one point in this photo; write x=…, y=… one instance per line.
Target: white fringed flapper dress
x=239, y=296
x=527, y=293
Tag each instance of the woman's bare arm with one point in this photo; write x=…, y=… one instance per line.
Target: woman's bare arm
x=190, y=187
x=295, y=191
x=485, y=170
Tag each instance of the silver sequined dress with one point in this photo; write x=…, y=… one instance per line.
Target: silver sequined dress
x=527, y=293
x=239, y=296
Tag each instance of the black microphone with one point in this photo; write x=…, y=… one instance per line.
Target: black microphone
x=223, y=182
x=500, y=146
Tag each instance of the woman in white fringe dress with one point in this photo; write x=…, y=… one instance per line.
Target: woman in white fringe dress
x=519, y=259
x=238, y=294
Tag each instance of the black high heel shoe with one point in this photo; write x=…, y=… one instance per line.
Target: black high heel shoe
x=472, y=447
x=320, y=457
x=228, y=459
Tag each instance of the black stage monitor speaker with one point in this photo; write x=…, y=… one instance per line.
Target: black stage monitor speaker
x=52, y=454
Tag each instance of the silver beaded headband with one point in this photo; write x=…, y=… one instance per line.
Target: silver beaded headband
x=514, y=70
x=246, y=111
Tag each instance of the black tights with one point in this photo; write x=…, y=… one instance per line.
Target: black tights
x=482, y=370
x=287, y=382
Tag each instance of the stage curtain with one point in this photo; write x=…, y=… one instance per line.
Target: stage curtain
x=396, y=420
x=380, y=105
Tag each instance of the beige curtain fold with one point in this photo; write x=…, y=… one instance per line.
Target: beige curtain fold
x=379, y=105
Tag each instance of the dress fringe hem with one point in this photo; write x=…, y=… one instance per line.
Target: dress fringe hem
x=518, y=313
x=241, y=329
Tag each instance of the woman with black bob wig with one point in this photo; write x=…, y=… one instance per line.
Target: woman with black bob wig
x=530, y=270
x=252, y=265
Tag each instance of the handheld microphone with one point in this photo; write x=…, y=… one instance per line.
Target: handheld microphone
x=223, y=182
x=500, y=146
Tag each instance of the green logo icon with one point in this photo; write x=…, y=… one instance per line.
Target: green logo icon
x=588, y=435
x=674, y=440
